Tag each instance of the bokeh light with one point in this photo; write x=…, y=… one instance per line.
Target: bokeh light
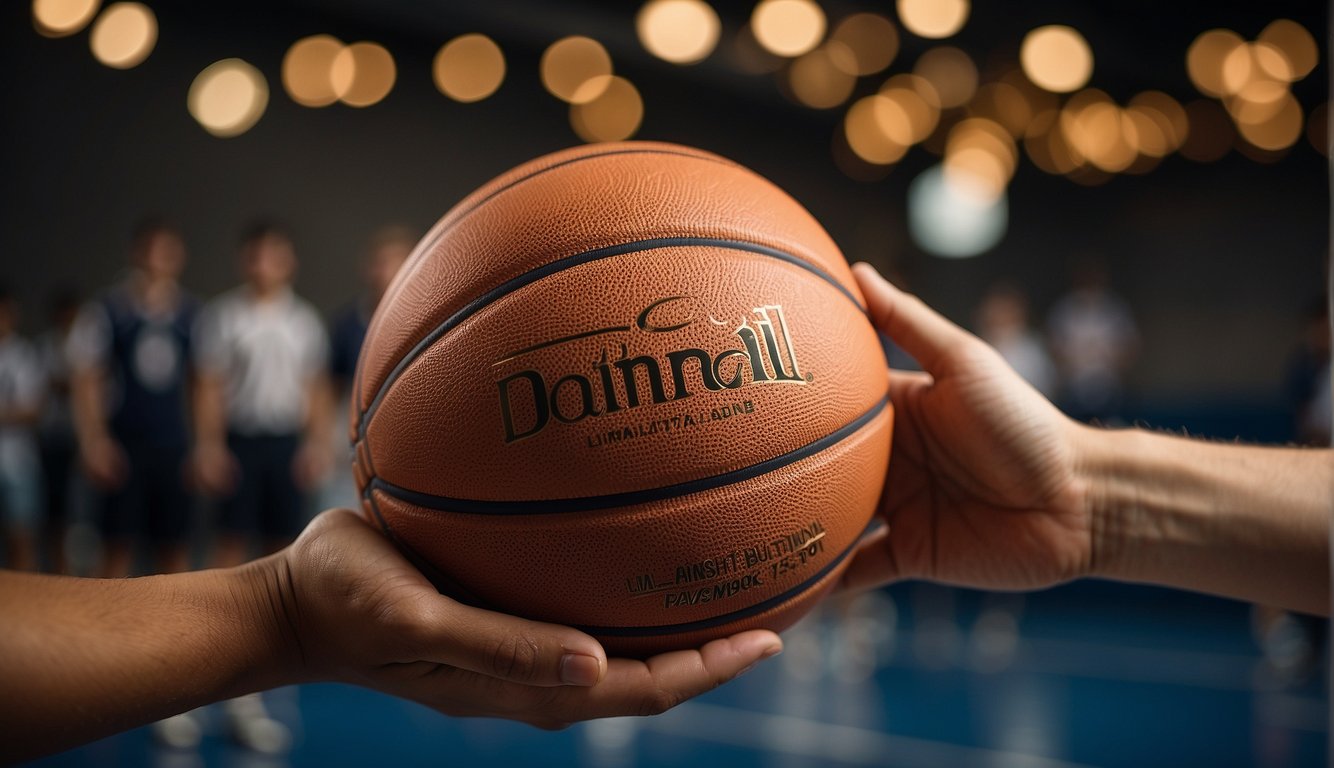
x=1168, y=118
x=308, y=70
x=1151, y=136
x=1258, y=101
x=933, y=19
x=816, y=81
x=863, y=44
x=788, y=27
x=1097, y=131
x=984, y=152
x=917, y=100
x=878, y=130
x=228, y=97
x=58, y=18
x=1317, y=129
x=953, y=216
x=612, y=114
x=951, y=73
x=1272, y=63
x=571, y=62
x=124, y=35
x=1295, y=43
x=362, y=74
x=1057, y=58
x=1046, y=146
x=469, y=68
x=1276, y=131
x=679, y=31
x=1205, y=59
x=1005, y=104
x=1239, y=67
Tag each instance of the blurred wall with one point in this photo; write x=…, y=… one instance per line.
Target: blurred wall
x=1217, y=260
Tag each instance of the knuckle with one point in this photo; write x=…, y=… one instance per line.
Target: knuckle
x=515, y=657
x=406, y=619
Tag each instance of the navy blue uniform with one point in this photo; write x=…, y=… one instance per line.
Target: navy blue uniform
x=146, y=361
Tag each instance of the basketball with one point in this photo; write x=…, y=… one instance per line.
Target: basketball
x=630, y=388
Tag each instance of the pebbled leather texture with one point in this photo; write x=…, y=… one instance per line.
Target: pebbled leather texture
x=596, y=326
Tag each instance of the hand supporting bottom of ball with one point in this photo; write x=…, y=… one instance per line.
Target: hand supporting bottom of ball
x=340, y=604
x=349, y=607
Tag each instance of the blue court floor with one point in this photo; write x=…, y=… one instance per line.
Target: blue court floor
x=917, y=675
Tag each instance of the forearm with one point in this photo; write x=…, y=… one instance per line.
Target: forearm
x=86, y=406
x=19, y=417
x=1241, y=521
x=84, y=658
x=319, y=413
x=210, y=412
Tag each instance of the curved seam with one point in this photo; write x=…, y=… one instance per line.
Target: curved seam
x=465, y=213
x=737, y=615
x=627, y=498
x=591, y=156
x=569, y=262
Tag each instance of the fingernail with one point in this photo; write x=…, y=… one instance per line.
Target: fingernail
x=771, y=652
x=579, y=669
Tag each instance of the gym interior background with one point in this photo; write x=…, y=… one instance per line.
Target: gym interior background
x=1186, y=165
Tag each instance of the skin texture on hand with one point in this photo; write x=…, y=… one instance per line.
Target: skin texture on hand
x=354, y=610
x=982, y=490
x=992, y=487
x=340, y=604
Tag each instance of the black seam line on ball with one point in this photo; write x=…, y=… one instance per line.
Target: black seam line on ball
x=738, y=615
x=369, y=498
x=628, y=498
x=519, y=181
x=560, y=265
x=594, y=156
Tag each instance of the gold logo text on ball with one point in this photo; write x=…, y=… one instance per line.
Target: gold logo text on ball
x=757, y=351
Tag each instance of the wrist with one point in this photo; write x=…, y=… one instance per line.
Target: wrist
x=1116, y=522
x=1245, y=522
x=265, y=606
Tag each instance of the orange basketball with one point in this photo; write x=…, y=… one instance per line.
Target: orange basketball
x=630, y=388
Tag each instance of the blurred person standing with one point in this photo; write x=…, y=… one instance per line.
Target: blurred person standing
x=262, y=405
x=129, y=353
x=1308, y=378
x=1095, y=340
x=1003, y=322
x=20, y=470
x=55, y=428
x=388, y=249
x=262, y=424
x=1293, y=644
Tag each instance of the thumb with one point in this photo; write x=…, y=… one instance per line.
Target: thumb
x=510, y=648
x=918, y=329
x=873, y=562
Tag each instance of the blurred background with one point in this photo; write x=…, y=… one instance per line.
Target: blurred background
x=1130, y=200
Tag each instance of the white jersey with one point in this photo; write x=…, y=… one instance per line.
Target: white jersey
x=266, y=352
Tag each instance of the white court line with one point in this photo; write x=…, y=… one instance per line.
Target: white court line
x=828, y=741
